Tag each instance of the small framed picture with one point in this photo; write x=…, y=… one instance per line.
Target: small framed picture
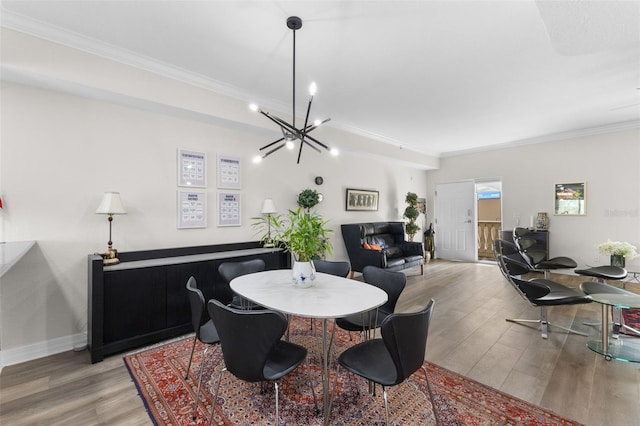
x=361, y=200
x=229, y=172
x=570, y=199
x=192, y=169
x=229, y=209
x=192, y=209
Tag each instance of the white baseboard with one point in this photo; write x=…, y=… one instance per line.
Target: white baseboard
x=42, y=349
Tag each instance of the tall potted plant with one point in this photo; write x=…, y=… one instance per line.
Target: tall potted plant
x=411, y=213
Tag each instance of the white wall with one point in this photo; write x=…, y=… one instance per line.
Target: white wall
x=608, y=163
x=60, y=152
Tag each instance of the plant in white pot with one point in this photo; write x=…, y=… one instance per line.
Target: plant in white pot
x=303, y=234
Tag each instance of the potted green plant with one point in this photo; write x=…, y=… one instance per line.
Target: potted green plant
x=411, y=213
x=300, y=232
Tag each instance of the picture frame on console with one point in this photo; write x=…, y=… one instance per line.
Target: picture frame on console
x=361, y=200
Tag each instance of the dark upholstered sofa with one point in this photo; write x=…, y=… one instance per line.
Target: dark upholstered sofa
x=394, y=253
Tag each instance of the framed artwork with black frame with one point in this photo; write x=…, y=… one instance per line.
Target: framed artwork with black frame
x=361, y=200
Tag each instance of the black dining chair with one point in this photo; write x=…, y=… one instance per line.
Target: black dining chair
x=340, y=269
x=231, y=270
x=252, y=347
x=391, y=359
x=337, y=268
x=204, y=330
x=392, y=283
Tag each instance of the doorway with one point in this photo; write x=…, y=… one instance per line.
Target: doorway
x=468, y=217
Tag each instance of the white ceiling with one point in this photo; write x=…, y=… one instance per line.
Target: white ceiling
x=438, y=77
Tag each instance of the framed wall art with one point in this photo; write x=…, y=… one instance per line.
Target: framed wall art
x=192, y=209
x=192, y=169
x=570, y=199
x=229, y=209
x=361, y=200
x=229, y=172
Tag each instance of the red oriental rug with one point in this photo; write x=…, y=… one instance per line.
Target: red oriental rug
x=158, y=373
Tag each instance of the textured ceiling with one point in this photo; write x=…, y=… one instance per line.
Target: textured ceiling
x=435, y=77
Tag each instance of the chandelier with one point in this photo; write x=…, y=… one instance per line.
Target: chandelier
x=291, y=133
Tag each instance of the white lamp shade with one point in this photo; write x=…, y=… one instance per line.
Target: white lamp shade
x=111, y=204
x=268, y=206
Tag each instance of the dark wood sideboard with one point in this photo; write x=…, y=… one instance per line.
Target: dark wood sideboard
x=143, y=300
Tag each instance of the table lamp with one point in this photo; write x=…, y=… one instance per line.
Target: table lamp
x=110, y=205
x=268, y=208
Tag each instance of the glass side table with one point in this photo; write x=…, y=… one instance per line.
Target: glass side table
x=620, y=349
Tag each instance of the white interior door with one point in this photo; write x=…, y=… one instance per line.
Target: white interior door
x=456, y=221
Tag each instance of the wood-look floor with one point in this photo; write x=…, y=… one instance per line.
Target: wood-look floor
x=469, y=335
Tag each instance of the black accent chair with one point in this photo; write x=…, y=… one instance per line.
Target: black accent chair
x=231, y=270
x=252, y=347
x=391, y=359
x=204, y=330
x=395, y=254
x=392, y=283
x=539, y=292
x=535, y=255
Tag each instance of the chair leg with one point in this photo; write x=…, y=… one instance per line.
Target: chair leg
x=433, y=401
x=386, y=406
x=544, y=324
x=193, y=348
x=275, y=385
x=215, y=396
x=195, y=408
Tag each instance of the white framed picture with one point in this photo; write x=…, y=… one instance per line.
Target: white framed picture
x=192, y=209
x=229, y=209
x=192, y=169
x=229, y=172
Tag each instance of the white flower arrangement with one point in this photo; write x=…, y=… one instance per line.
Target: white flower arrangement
x=618, y=248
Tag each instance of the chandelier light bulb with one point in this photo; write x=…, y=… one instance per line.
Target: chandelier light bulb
x=317, y=122
x=313, y=88
x=253, y=107
x=257, y=159
x=290, y=145
x=334, y=151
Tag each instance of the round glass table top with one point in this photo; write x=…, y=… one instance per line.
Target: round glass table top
x=617, y=300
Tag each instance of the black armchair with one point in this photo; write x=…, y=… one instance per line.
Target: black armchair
x=391, y=251
x=204, y=330
x=252, y=347
x=535, y=255
x=390, y=360
x=538, y=292
x=231, y=270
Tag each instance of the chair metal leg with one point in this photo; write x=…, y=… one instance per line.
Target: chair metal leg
x=215, y=396
x=195, y=408
x=433, y=401
x=193, y=348
x=275, y=385
x=545, y=324
x=386, y=406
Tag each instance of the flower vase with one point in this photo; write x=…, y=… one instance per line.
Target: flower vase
x=617, y=260
x=303, y=274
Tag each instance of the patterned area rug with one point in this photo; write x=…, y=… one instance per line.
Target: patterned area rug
x=159, y=372
x=631, y=318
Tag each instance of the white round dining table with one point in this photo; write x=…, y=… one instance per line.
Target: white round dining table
x=327, y=297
